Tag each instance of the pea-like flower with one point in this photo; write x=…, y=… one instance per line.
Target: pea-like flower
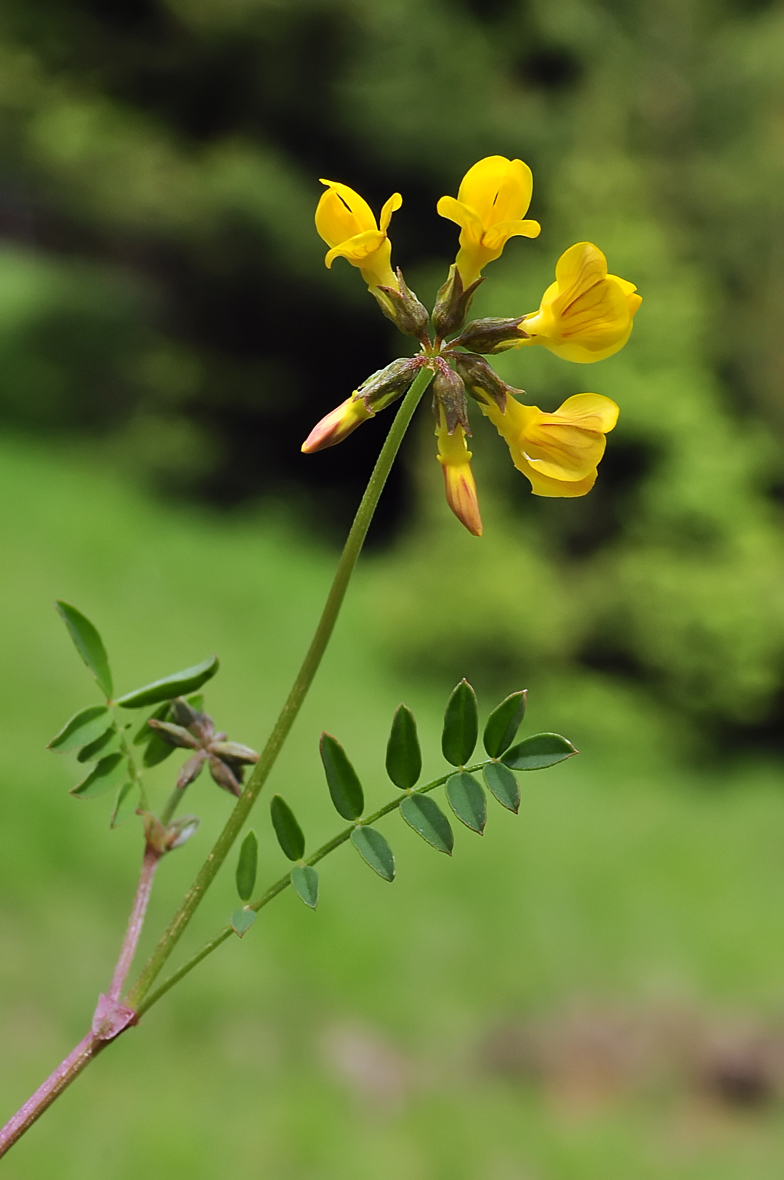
x=586, y=314
x=346, y=223
x=559, y=452
x=492, y=201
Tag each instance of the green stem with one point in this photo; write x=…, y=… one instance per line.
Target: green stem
x=283, y=882
x=299, y=689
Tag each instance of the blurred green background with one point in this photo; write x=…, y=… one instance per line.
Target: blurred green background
x=596, y=987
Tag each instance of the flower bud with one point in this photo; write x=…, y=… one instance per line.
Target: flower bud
x=459, y=486
x=174, y=735
x=481, y=381
x=385, y=386
x=337, y=425
x=449, y=398
x=452, y=304
x=234, y=751
x=491, y=335
x=190, y=769
x=376, y=393
x=180, y=831
x=224, y=776
x=403, y=308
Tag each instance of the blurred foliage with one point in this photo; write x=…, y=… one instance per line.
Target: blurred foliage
x=560, y=999
x=161, y=284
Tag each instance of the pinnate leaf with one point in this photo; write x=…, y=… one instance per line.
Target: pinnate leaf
x=247, y=865
x=84, y=727
x=89, y=645
x=242, y=920
x=503, y=724
x=539, y=751
x=503, y=784
x=125, y=805
x=344, y=786
x=404, y=757
x=461, y=725
x=288, y=831
x=305, y=880
x=176, y=685
x=107, y=743
x=109, y=772
x=467, y=800
x=428, y=821
x=375, y=851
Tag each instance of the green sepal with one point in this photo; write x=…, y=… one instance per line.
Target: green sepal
x=375, y=851
x=502, y=783
x=344, y=785
x=109, y=772
x=125, y=804
x=288, y=831
x=503, y=723
x=242, y=920
x=84, y=727
x=404, y=757
x=428, y=821
x=247, y=866
x=89, y=644
x=107, y=743
x=305, y=880
x=467, y=800
x=539, y=751
x=176, y=685
x=461, y=725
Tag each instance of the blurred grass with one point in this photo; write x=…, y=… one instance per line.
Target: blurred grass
x=351, y=1042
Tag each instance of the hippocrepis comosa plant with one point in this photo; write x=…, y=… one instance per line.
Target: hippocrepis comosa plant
x=585, y=315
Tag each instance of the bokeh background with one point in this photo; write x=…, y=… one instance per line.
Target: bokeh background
x=597, y=987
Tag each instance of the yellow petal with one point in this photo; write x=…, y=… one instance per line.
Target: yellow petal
x=597, y=316
x=334, y=222
x=514, y=193
x=562, y=451
x=355, y=205
x=498, y=235
x=541, y=485
x=592, y=411
x=577, y=270
x=576, y=351
x=390, y=207
x=356, y=249
x=484, y=181
x=462, y=215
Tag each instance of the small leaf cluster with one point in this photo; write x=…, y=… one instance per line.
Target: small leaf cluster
x=465, y=793
x=101, y=737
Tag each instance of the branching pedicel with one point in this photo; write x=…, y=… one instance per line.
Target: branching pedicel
x=585, y=315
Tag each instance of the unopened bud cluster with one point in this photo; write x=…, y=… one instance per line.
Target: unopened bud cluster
x=192, y=730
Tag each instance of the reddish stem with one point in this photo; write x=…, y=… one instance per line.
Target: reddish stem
x=110, y=1019
x=54, y=1085
x=135, y=921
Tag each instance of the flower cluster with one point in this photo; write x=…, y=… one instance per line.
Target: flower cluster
x=584, y=316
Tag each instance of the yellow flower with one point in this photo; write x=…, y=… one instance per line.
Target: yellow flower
x=346, y=223
x=455, y=459
x=493, y=197
x=586, y=314
x=557, y=452
x=337, y=425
